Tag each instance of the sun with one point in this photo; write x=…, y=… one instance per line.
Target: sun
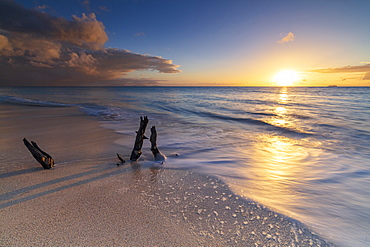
x=286, y=78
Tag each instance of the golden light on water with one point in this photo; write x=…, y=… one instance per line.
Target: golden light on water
x=277, y=163
x=280, y=117
x=283, y=96
x=275, y=169
x=286, y=78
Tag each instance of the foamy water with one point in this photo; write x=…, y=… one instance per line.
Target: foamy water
x=304, y=152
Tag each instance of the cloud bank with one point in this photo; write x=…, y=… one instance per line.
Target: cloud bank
x=288, y=38
x=41, y=49
x=365, y=69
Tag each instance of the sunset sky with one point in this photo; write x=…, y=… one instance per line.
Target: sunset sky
x=184, y=43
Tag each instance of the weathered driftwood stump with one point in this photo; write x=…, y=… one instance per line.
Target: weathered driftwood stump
x=153, y=139
x=140, y=137
x=42, y=157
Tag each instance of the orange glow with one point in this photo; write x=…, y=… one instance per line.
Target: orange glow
x=286, y=78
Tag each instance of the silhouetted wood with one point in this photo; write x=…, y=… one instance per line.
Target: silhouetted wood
x=121, y=159
x=140, y=137
x=153, y=139
x=42, y=157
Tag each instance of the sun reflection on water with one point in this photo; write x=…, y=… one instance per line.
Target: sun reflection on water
x=277, y=165
x=276, y=171
x=283, y=96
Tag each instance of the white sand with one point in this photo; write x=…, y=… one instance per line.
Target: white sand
x=87, y=200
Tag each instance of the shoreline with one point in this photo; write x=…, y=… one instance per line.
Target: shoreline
x=87, y=200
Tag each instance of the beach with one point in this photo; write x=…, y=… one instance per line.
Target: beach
x=87, y=200
x=262, y=128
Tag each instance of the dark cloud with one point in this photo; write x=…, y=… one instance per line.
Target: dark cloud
x=83, y=31
x=105, y=67
x=348, y=69
x=40, y=49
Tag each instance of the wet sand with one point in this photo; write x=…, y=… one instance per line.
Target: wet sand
x=87, y=200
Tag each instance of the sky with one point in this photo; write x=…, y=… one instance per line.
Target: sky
x=184, y=43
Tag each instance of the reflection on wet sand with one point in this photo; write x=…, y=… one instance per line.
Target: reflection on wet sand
x=140, y=173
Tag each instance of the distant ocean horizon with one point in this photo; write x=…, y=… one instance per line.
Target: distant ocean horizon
x=161, y=86
x=302, y=151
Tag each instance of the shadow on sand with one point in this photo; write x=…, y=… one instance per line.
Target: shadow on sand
x=104, y=171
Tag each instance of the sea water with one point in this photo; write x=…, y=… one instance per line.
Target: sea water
x=304, y=152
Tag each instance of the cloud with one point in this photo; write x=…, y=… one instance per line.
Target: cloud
x=366, y=76
x=77, y=67
x=42, y=7
x=32, y=48
x=288, y=38
x=104, y=8
x=140, y=34
x=86, y=3
x=364, y=69
x=40, y=49
x=83, y=31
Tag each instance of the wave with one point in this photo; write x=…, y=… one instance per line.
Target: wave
x=108, y=113
x=7, y=99
x=255, y=122
x=104, y=112
x=202, y=113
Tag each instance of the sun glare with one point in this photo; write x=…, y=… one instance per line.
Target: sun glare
x=286, y=78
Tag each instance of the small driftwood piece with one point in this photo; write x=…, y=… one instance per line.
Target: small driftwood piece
x=121, y=159
x=158, y=156
x=140, y=137
x=42, y=157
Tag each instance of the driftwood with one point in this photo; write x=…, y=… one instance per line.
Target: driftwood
x=121, y=159
x=42, y=157
x=139, y=140
x=153, y=139
x=140, y=137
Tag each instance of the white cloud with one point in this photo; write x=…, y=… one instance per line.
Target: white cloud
x=288, y=38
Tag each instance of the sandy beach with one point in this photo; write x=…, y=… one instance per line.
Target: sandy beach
x=87, y=200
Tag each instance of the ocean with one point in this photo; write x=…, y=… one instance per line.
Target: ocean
x=303, y=152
